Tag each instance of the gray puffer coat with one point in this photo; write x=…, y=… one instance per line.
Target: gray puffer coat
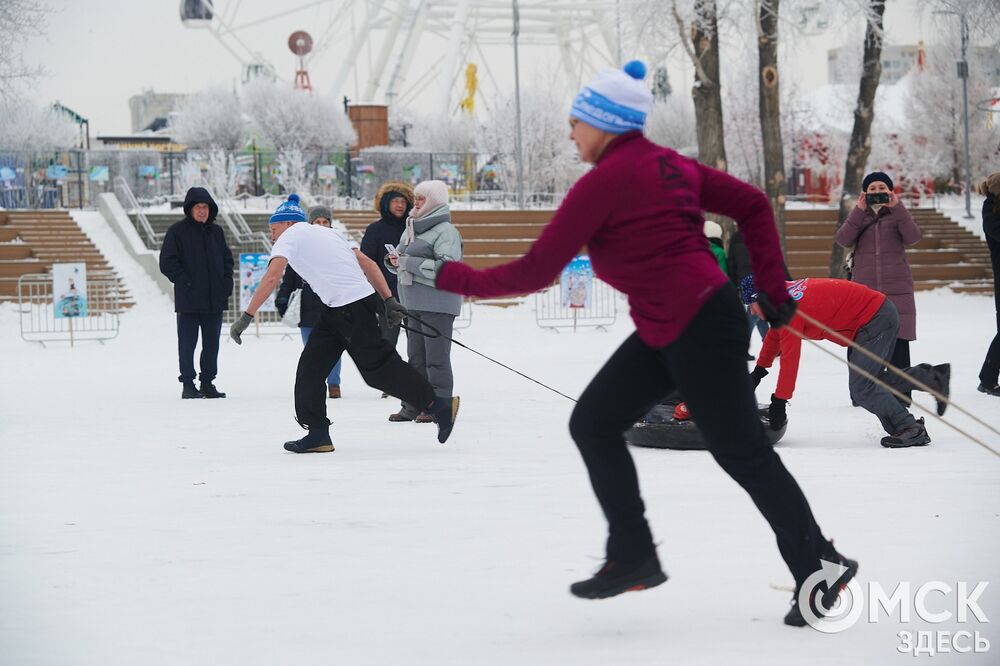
x=880, y=241
x=435, y=241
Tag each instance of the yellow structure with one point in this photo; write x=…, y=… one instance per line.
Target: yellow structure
x=468, y=103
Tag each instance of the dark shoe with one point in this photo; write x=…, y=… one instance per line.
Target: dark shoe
x=444, y=411
x=943, y=375
x=190, y=391
x=384, y=395
x=989, y=390
x=208, y=390
x=317, y=440
x=399, y=417
x=334, y=390
x=616, y=577
x=911, y=435
x=424, y=417
x=823, y=597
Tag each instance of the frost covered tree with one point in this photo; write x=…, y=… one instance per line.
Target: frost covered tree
x=19, y=20
x=213, y=121
x=671, y=123
x=550, y=161
x=29, y=127
x=294, y=122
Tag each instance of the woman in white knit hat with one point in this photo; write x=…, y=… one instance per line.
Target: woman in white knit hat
x=639, y=212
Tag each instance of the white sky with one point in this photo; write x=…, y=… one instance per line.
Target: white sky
x=98, y=53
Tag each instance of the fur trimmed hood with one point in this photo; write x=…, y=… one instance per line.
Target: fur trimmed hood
x=392, y=186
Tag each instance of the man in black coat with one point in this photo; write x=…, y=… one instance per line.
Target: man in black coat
x=196, y=258
x=991, y=228
x=393, y=201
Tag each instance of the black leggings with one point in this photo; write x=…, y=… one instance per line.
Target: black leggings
x=707, y=364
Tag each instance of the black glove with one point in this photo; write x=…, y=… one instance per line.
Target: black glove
x=240, y=325
x=776, y=316
x=776, y=415
x=394, y=312
x=758, y=374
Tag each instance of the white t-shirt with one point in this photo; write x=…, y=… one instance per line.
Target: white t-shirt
x=324, y=259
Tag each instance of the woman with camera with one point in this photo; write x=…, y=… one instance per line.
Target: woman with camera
x=879, y=230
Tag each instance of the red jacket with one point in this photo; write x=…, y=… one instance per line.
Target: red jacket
x=839, y=304
x=639, y=212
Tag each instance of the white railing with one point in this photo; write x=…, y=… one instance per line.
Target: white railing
x=153, y=239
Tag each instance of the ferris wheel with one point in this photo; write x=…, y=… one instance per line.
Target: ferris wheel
x=375, y=42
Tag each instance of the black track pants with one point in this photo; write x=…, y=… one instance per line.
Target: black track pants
x=707, y=364
x=353, y=328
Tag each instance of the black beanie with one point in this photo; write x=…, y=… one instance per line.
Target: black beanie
x=874, y=176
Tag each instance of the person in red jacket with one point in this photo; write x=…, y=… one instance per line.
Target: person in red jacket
x=639, y=212
x=866, y=317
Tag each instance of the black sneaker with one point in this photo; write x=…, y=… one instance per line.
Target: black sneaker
x=616, y=577
x=823, y=597
x=190, y=392
x=943, y=387
x=444, y=411
x=208, y=390
x=911, y=435
x=989, y=390
x=317, y=440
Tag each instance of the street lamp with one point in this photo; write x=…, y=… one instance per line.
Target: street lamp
x=963, y=73
x=517, y=115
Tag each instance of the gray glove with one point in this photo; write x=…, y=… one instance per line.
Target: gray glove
x=394, y=312
x=240, y=325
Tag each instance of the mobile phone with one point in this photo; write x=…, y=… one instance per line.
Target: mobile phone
x=391, y=249
x=877, y=198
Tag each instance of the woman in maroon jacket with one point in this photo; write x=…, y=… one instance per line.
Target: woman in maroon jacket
x=879, y=235
x=639, y=212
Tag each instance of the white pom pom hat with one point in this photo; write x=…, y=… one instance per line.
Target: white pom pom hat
x=616, y=101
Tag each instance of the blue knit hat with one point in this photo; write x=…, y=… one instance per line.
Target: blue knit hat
x=288, y=211
x=876, y=176
x=616, y=101
x=748, y=290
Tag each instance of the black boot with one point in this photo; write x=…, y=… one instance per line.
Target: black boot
x=190, y=391
x=943, y=375
x=911, y=435
x=617, y=577
x=208, y=390
x=989, y=390
x=317, y=440
x=822, y=598
x=444, y=411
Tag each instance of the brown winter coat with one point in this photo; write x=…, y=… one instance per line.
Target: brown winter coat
x=880, y=241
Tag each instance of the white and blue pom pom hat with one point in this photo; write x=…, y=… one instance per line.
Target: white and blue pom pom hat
x=288, y=211
x=616, y=101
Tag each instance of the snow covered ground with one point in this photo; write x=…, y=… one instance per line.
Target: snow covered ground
x=139, y=529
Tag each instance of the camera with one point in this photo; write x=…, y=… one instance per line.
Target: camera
x=877, y=198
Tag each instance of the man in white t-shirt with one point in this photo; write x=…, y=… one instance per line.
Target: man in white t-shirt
x=354, y=294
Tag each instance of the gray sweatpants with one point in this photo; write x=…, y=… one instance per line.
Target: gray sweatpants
x=430, y=356
x=879, y=337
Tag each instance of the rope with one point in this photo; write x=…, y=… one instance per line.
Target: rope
x=875, y=357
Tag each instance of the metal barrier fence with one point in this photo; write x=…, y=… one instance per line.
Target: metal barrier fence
x=37, y=311
x=602, y=310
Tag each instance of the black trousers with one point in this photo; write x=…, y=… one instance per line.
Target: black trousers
x=188, y=325
x=353, y=328
x=990, y=371
x=707, y=364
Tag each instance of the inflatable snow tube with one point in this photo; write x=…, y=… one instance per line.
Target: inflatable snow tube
x=660, y=430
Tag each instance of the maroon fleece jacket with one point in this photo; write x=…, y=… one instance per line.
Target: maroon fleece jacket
x=639, y=212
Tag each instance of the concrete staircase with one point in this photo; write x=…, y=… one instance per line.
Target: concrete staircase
x=31, y=241
x=948, y=255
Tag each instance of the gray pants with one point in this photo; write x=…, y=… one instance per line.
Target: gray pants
x=879, y=337
x=430, y=356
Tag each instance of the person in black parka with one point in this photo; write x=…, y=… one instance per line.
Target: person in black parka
x=991, y=227
x=393, y=201
x=197, y=259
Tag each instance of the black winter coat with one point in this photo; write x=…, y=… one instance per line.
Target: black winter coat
x=386, y=230
x=310, y=306
x=991, y=227
x=738, y=259
x=196, y=258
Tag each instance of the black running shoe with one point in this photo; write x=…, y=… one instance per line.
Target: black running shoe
x=317, y=440
x=616, y=577
x=911, y=435
x=444, y=411
x=989, y=390
x=822, y=598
